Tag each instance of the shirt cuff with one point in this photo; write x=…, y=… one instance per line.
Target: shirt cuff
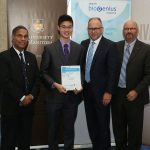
x=22, y=98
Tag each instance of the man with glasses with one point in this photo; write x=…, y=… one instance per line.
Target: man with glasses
x=60, y=102
x=132, y=92
x=99, y=66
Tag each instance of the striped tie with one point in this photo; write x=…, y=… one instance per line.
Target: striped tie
x=122, y=78
x=89, y=62
x=24, y=72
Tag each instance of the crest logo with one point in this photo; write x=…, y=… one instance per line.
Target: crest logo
x=37, y=25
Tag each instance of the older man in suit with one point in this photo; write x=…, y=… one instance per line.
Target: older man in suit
x=132, y=92
x=99, y=83
x=20, y=86
x=60, y=102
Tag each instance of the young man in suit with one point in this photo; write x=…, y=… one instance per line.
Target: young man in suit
x=60, y=102
x=99, y=65
x=20, y=86
x=132, y=92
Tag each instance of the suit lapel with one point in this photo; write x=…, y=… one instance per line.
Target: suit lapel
x=16, y=61
x=15, y=57
x=72, y=52
x=135, y=51
x=99, y=49
x=85, y=52
x=59, y=51
x=121, y=51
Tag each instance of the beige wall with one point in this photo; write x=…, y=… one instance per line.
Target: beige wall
x=3, y=25
x=140, y=13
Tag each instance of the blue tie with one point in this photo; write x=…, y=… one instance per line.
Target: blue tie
x=122, y=78
x=89, y=62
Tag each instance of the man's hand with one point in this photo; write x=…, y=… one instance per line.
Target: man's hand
x=60, y=88
x=77, y=91
x=106, y=98
x=132, y=95
x=26, y=101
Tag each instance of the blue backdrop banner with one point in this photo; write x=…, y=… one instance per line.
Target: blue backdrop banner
x=112, y=12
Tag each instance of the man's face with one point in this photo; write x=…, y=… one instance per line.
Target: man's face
x=65, y=30
x=130, y=31
x=20, y=39
x=95, y=29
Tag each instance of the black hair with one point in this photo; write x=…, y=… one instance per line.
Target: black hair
x=18, y=28
x=63, y=18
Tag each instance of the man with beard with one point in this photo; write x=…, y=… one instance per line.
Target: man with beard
x=132, y=92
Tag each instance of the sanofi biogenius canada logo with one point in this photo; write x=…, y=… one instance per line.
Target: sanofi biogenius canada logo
x=105, y=9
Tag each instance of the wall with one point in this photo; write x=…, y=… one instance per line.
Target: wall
x=3, y=25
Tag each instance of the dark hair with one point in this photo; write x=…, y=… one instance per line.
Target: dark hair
x=18, y=28
x=63, y=18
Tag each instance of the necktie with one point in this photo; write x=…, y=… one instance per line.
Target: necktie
x=89, y=62
x=66, y=51
x=122, y=78
x=24, y=72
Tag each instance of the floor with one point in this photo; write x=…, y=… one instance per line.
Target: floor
x=113, y=148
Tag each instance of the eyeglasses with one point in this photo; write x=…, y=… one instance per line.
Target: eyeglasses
x=129, y=29
x=94, y=29
x=66, y=27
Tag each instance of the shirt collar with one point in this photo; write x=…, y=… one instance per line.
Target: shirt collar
x=131, y=44
x=96, y=41
x=62, y=43
x=17, y=51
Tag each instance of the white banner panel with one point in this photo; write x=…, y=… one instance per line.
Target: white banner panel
x=112, y=12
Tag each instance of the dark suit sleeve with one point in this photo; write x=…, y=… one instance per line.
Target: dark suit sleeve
x=46, y=60
x=112, y=60
x=82, y=65
x=7, y=84
x=36, y=84
x=145, y=82
x=83, y=58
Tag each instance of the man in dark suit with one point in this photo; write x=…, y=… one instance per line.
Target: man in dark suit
x=20, y=86
x=60, y=102
x=99, y=83
x=132, y=92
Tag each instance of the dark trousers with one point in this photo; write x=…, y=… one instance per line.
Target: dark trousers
x=67, y=109
x=98, y=120
x=16, y=131
x=127, y=117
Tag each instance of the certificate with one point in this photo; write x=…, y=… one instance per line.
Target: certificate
x=71, y=77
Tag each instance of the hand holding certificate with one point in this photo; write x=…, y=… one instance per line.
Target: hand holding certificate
x=71, y=77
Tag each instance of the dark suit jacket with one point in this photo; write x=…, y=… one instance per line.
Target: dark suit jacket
x=103, y=68
x=12, y=80
x=138, y=69
x=52, y=60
